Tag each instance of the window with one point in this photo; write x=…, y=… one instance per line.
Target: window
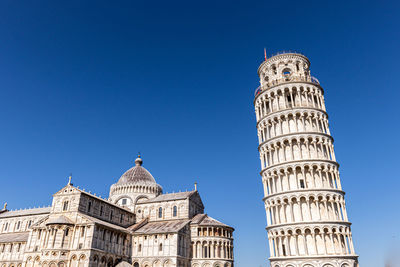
x=101, y=210
x=136, y=264
x=30, y=223
x=286, y=72
x=19, y=247
x=160, y=212
x=18, y=225
x=66, y=232
x=140, y=248
x=89, y=206
x=82, y=231
x=160, y=247
x=175, y=211
x=111, y=215
x=124, y=201
x=302, y=184
x=121, y=219
x=6, y=226
x=65, y=206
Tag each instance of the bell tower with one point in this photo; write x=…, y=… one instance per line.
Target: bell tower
x=307, y=220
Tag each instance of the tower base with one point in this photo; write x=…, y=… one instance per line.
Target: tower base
x=324, y=261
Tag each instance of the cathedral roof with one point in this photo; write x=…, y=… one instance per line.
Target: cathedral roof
x=103, y=223
x=161, y=227
x=205, y=220
x=137, y=175
x=171, y=196
x=26, y=212
x=59, y=220
x=14, y=237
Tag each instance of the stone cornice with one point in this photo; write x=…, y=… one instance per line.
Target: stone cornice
x=294, y=162
x=291, y=111
x=297, y=134
x=322, y=190
x=283, y=56
x=309, y=224
x=325, y=257
x=270, y=88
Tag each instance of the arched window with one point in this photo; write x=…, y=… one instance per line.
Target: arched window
x=65, y=206
x=136, y=264
x=160, y=212
x=175, y=211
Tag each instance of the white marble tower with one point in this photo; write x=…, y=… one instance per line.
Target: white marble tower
x=304, y=201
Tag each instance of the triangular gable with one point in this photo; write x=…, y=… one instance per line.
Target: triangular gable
x=195, y=197
x=67, y=190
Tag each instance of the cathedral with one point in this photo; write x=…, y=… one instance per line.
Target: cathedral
x=136, y=226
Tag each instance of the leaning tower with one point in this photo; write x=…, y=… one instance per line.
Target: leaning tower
x=304, y=201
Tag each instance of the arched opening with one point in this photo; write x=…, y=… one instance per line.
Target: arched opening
x=160, y=212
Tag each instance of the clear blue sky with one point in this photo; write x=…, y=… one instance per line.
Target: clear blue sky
x=85, y=85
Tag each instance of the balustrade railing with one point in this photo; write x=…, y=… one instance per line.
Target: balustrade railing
x=288, y=79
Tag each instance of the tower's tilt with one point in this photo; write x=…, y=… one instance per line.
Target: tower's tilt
x=304, y=201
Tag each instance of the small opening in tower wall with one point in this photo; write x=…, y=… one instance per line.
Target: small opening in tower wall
x=302, y=184
x=286, y=72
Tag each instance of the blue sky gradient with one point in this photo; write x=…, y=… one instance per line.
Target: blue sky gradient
x=85, y=85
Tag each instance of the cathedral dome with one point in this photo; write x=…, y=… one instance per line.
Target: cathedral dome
x=137, y=175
